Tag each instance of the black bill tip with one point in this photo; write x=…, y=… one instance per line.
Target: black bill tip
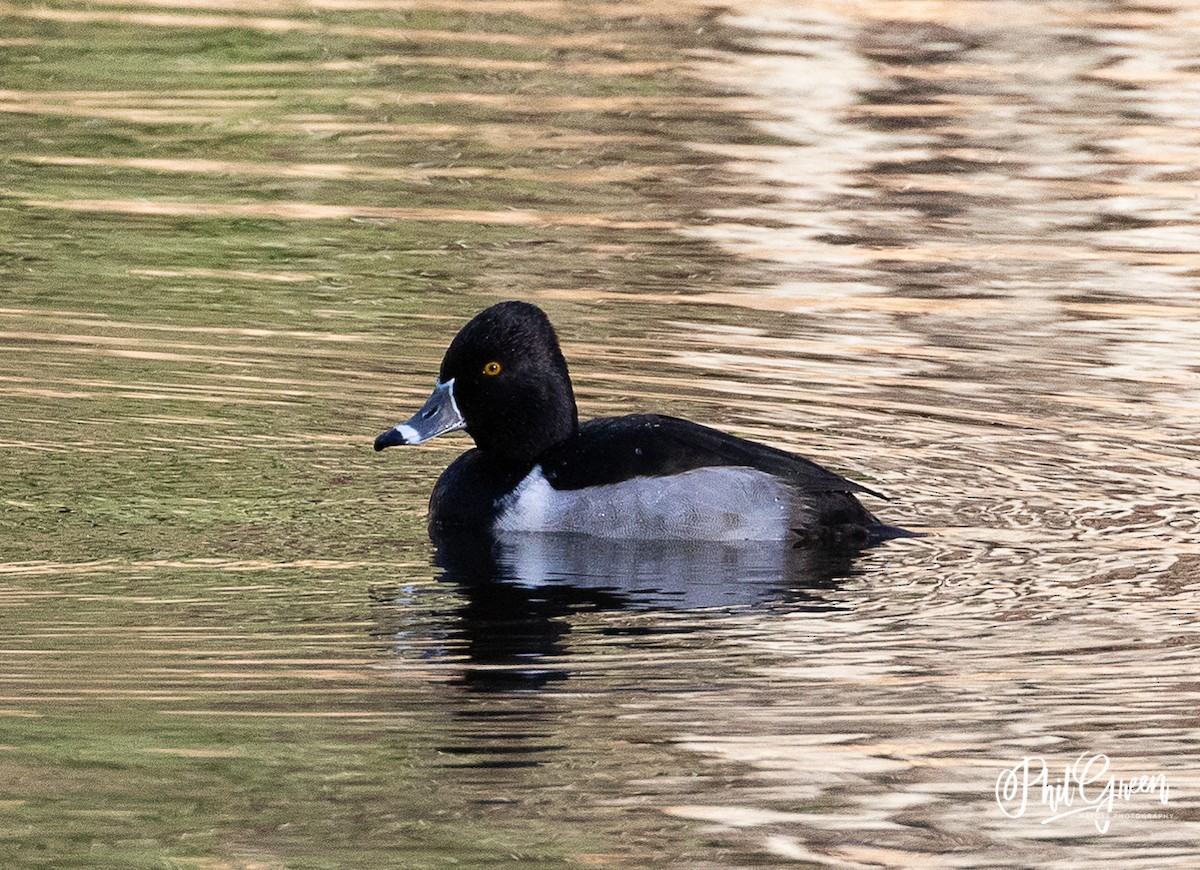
x=390, y=438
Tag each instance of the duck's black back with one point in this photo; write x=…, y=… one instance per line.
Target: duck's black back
x=612, y=449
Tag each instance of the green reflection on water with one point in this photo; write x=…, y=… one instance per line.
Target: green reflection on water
x=192, y=520
x=262, y=742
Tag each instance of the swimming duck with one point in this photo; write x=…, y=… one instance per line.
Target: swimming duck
x=534, y=468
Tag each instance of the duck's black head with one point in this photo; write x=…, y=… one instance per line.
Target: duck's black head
x=505, y=381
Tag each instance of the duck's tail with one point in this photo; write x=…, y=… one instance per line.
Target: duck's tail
x=881, y=532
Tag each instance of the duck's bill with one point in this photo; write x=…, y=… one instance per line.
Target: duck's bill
x=437, y=416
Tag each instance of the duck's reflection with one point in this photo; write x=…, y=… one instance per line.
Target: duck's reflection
x=517, y=590
x=639, y=574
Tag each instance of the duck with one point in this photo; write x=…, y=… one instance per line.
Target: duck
x=535, y=468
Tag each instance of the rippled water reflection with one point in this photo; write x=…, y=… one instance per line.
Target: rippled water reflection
x=946, y=249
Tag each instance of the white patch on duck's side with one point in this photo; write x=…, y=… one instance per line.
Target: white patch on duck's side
x=723, y=503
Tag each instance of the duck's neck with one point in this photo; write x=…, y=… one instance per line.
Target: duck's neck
x=530, y=425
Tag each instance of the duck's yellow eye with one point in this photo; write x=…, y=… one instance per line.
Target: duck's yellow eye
x=492, y=369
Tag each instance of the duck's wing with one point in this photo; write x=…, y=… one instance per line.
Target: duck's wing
x=612, y=449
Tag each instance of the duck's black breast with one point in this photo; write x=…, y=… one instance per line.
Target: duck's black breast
x=613, y=449
x=468, y=491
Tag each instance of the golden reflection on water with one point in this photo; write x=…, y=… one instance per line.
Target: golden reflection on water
x=308, y=211
x=945, y=248
x=341, y=171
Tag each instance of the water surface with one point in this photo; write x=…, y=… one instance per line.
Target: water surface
x=945, y=249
